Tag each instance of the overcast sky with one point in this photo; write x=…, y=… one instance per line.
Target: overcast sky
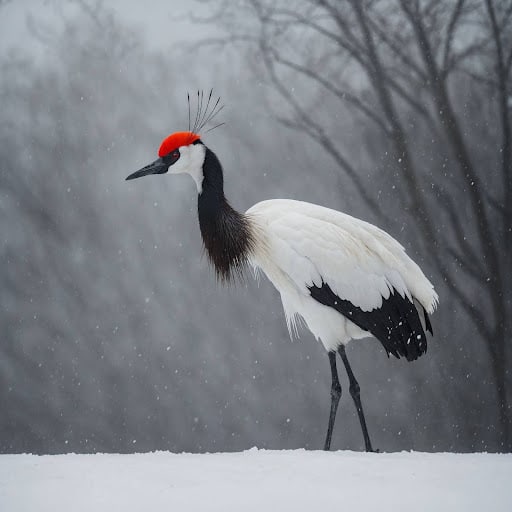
x=159, y=21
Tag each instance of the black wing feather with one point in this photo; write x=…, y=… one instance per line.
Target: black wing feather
x=428, y=325
x=396, y=324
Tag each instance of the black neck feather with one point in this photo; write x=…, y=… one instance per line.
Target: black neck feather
x=226, y=233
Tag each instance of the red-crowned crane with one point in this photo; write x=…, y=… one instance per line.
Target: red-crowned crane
x=345, y=278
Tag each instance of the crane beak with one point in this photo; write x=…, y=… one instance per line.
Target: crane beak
x=156, y=167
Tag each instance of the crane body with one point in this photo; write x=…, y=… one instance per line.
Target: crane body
x=324, y=262
x=342, y=277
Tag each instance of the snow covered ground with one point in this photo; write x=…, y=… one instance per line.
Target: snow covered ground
x=256, y=480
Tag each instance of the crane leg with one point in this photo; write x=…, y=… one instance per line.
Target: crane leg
x=356, y=396
x=335, y=398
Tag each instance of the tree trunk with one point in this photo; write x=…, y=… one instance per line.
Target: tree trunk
x=498, y=362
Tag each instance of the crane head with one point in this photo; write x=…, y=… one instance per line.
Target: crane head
x=183, y=151
x=176, y=153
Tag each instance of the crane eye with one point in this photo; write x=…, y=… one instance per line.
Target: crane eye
x=172, y=157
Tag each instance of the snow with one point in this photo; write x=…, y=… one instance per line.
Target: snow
x=256, y=480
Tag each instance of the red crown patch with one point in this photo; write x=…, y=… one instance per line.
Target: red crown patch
x=175, y=141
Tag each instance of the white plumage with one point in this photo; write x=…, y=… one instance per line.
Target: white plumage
x=302, y=244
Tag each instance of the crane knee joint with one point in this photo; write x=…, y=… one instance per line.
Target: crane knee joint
x=354, y=389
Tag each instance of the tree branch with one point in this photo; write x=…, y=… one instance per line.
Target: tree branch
x=342, y=95
x=450, y=32
x=317, y=133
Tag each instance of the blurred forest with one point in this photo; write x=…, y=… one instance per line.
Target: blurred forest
x=115, y=335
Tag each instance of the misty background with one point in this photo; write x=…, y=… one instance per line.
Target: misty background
x=115, y=336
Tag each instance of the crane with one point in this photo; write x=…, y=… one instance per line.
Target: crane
x=344, y=278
